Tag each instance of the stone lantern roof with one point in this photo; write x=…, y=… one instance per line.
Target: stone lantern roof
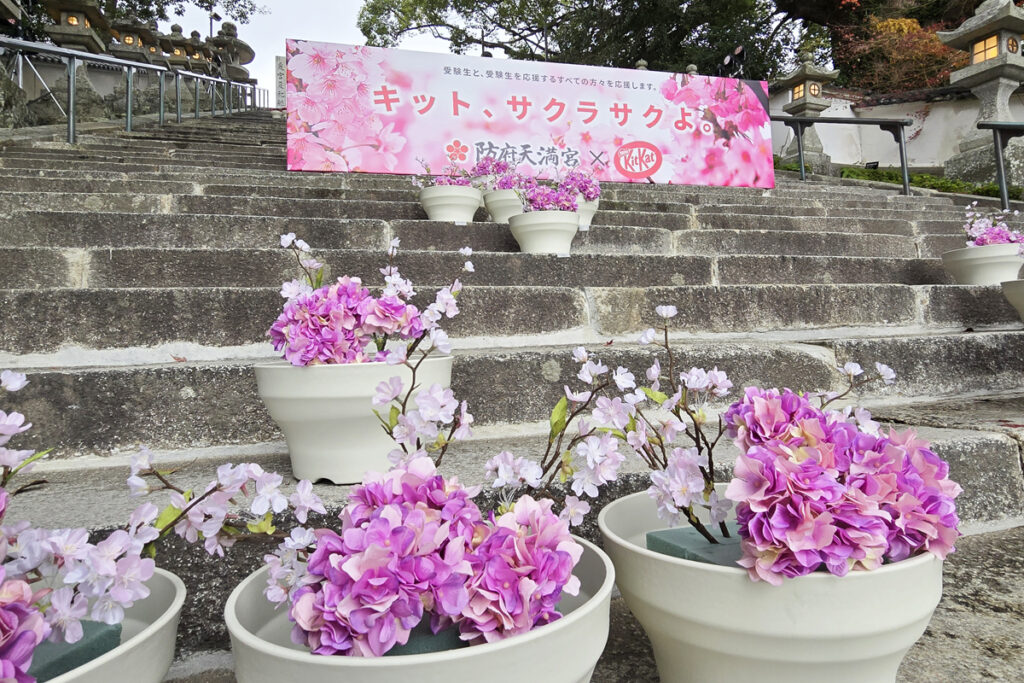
x=177, y=47
x=990, y=17
x=807, y=71
x=233, y=52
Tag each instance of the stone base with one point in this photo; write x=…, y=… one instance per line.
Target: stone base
x=89, y=105
x=978, y=165
x=813, y=162
x=13, y=103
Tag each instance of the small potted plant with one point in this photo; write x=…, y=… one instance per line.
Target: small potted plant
x=450, y=196
x=334, y=338
x=75, y=608
x=505, y=199
x=993, y=253
x=588, y=193
x=548, y=222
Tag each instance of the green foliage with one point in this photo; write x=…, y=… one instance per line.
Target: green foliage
x=668, y=35
x=558, y=418
x=931, y=181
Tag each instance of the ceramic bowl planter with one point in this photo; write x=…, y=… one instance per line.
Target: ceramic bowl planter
x=1013, y=290
x=712, y=623
x=544, y=232
x=454, y=203
x=986, y=265
x=564, y=651
x=147, y=639
x=503, y=204
x=586, y=211
x=326, y=413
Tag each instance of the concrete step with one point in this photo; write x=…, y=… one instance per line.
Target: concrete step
x=83, y=409
x=42, y=321
x=177, y=267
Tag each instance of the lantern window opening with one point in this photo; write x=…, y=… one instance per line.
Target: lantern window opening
x=129, y=40
x=798, y=91
x=985, y=50
x=72, y=20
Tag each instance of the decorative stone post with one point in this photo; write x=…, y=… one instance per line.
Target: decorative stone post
x=992, y=37
x=805, y=90
x=80, y=25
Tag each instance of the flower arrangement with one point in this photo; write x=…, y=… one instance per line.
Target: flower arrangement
x=452, y=175
x=511, y=180
x=343, y=323
x=545, y=198
x=487, y=170
x=52, y=579
x=582, y=182
x=815, y=488
x=990, y=228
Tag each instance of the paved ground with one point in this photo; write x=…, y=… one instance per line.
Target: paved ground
x=977, y=633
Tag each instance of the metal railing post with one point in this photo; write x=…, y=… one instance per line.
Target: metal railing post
x=1004, y=193
x=227, y=98
x=72, y=68
x=799, y=130
x=213, y=99
x=902, y=139
x=163, y=90
x=197, y=98
x=177, y=95
x=128, y=99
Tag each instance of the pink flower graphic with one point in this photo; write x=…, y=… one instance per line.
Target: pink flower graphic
x=456, y=151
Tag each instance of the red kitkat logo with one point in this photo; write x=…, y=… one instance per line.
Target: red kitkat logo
x=638, y=160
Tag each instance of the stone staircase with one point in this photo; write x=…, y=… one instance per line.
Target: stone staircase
x=140, y=272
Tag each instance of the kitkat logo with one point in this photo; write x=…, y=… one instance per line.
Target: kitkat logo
x=638, y=160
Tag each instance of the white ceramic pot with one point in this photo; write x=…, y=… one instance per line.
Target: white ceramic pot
x=586, y=210
x=147, y=639
x=450, y=202
x=326, y=413
x=544, y=232
x=564, y=651
x=1013, y=290
x=485, y=183
x=987, y=265
x=503, y=204
x=712, y=624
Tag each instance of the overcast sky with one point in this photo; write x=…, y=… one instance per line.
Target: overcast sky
x=332, y=21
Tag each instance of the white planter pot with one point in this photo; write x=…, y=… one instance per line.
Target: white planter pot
x=485, y=183
x=586, y=211
x=147, y=639
x=1013, y=290
x=987, y=265
x=564, y=651
x=713, y=624
x=450, y=202
x=544, y=232
x=326, y=413
x=503, y=204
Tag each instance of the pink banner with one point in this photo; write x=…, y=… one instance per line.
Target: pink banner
x=356, y=108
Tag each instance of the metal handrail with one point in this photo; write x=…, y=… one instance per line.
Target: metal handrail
x=894, y=126
x=1002, y=133
x=248, y=91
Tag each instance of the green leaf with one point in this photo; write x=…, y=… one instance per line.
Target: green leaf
x=656, y=396
x=168, y=515
x=150, y=550
x=37, y=456
x=558, y=418
x=264, y=526
x=395, y=412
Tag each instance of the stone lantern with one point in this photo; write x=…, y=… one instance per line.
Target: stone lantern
x=151, y=43
x=234, y=53
x=805, y=85
x=79, y=25
x=992, y=37
x=177, y=47
x=132, y=36
x=10, y=10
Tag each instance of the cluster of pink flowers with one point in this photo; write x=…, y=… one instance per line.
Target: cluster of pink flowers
x=489, y=166
x=581, y=182
x=514, y=181
x=458, y=180
x=412, y=544
x=544, y=198
x=336, y=323
x=984, y=229
x=815, y=491
x=23, y=627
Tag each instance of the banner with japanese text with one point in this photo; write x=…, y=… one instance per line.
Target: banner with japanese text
x=376, y=110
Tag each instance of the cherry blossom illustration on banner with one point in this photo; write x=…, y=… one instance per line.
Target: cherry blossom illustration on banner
x=377, y=110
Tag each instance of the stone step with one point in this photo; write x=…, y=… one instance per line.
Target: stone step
x=190, y=404
x=177, y=267
x=885, y=226
x=42, y=321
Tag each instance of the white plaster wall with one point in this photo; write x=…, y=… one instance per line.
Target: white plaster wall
x=932, y=138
